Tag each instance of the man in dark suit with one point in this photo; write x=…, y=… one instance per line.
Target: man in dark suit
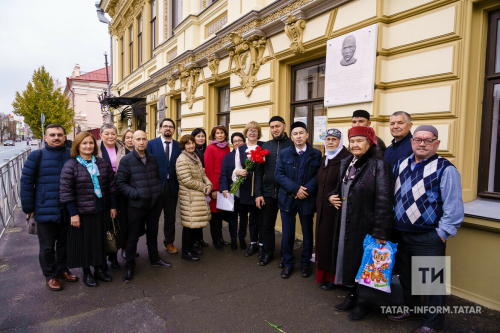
x=296, y=173
x=166, y=150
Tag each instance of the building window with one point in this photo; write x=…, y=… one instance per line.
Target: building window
x=153, y=27
x=489, y=160
x=307, y=98
x=178, y=109
x=223, y=114
x=176, y=13
x=122, y=42
x=131, y=48
x=139, y=41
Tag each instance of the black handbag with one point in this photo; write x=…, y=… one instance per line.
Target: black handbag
x=114, y=239
x=374, y=298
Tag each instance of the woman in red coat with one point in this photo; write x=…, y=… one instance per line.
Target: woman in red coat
x=214, y=155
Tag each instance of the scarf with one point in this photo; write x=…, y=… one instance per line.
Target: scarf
x=331, y=154
x=93, y=171
x=193, y=157
x=351, y=170
x=221, y=145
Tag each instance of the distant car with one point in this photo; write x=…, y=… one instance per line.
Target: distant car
x=34, y=142
x=18, y=140
x=9, y=143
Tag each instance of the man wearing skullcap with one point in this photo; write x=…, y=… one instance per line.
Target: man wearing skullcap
x=428, y=208
x=362, y=118
x=296, y=173
x=266, y=188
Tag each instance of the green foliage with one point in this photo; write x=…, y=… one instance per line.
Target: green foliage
x=40, y=97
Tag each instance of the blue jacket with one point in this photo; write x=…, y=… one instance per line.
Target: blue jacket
x=225, y=181
x=398, y=150
x=157, y=149
x=42, y=195
x=286, y=176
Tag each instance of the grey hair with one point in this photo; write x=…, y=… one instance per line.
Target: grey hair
x=108, y=126
x=402, y=113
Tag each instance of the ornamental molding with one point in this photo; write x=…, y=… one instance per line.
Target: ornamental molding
x=125, y=15
x=238, y=54
x=294, y=29
x=213, y=65
x=189, y=84
x=267, y=22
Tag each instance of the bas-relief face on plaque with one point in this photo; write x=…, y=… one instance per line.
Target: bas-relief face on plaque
x=350, y=67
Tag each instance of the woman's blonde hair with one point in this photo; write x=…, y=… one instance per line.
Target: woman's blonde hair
x=253, y=125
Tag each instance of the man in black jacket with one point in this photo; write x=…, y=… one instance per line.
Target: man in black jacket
x=138, y=178
x=266, y=188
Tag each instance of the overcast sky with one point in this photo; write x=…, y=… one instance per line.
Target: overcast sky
x=53, y=33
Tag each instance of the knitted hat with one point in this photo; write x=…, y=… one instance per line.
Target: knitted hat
x=276, y=118
x=427, y=128
x=365, y=131
x=361, y=113
x=298, y=124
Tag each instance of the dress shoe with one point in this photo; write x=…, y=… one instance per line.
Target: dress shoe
x=54, y=284
x=128, y=276
x=329, y=286
x=234, y=244
x=218, y=246
x=68, y=277
x=287, y=272
x=89, y=280
x=101, y=275
x=170, y=248
x=253, y=249
x=124, y=254
x=404, y=317
x=360, y=312
x=348, y=303
x=202, y=242
x=282, y=263
x=243, y=244
x=306, y=271
x=260, y=254
x=114, y=263
x=197, y=251
x=425, y=329
x=223, y=242
x=161, y=263
x=197, y=245
x=190, y=256
x=266, y=259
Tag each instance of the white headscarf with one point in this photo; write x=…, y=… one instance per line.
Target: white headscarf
x=331, y=154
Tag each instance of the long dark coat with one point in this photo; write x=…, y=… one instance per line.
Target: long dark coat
x=369, y=209
x=328, y=181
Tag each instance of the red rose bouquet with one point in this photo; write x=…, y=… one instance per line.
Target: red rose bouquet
x=256, y=156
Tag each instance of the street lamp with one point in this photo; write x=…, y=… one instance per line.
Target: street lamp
x=105, y=108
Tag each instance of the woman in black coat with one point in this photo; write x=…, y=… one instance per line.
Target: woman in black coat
x=201, y=144
x=365, y=200
x=328, y=181
x=88, y=190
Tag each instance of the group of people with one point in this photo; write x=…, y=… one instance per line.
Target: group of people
x=404, y=193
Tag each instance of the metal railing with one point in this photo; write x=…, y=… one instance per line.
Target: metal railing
x=10, y=188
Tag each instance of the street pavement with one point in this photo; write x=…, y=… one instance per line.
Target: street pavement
x=223, y=292
x=9, y=151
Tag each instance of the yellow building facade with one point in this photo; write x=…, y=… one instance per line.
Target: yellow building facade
x=233, y=61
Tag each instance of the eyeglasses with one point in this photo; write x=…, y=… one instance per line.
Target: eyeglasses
x=168, y=126
x=253, y=132
x=425, y=141
x=238, y=141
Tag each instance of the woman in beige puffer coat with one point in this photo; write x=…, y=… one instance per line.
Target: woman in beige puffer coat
x=193, y=184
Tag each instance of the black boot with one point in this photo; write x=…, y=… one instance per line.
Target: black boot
x=223, y=242
x=101, y=275
x=360, y=312
x=349, y=301
x=218, y=246
x=128, y=276
x=202, y=242
x=253, y=249
x=243, y=244
x=328, y=286
x=114, y=262
x=88, y=278
x=282, y=263
x=261, y=252
x=234, y=244
x=197, y=245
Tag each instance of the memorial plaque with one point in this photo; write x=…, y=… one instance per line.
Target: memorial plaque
x=161, y=107
x=350, y=67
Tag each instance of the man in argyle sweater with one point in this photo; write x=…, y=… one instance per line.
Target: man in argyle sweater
x=428, y=208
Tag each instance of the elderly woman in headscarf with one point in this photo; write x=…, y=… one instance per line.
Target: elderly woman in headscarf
x=365, y=202
x=328, y=181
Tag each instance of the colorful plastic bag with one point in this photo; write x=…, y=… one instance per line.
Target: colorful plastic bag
x=377, y=264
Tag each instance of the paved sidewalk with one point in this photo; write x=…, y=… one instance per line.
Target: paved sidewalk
x=224, y=292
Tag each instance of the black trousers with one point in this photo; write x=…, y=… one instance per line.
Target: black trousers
x=240, y=211
x=189, y=236
x=269, y=216
x=53, y=252
x=255, y=223
x=420, y=244
x=169, y=201
x=216, y=226
x=136, y=219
